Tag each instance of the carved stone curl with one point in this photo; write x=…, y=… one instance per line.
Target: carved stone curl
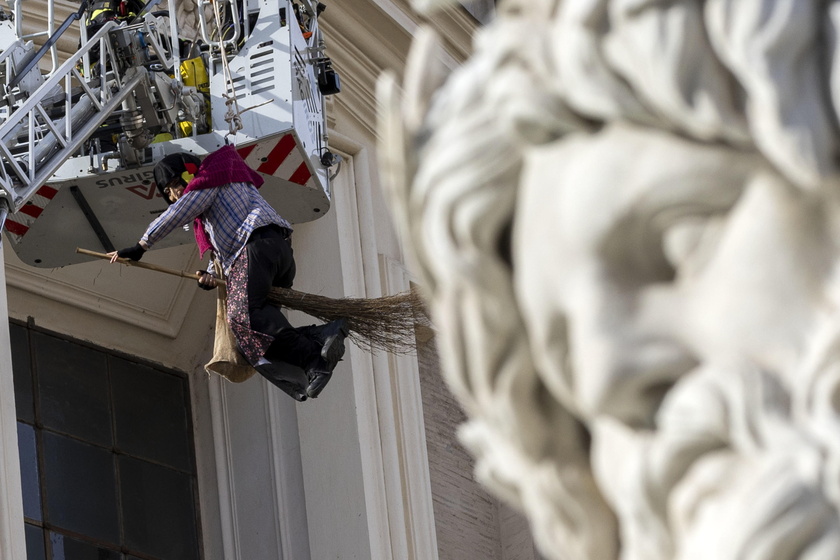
x=625, y=215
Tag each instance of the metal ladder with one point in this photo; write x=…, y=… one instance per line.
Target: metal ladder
x=34, y=142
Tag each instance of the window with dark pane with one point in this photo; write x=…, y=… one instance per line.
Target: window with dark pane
x=106, y=453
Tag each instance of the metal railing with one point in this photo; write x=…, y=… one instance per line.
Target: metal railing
x=28, y=160
x=17, y=7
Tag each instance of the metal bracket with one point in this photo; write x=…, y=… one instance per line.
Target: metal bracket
x=92, y=219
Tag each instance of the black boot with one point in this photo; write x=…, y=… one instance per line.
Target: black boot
x=331, y=337
x=285, y=378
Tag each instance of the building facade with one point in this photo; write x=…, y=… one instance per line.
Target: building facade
x=115, y=441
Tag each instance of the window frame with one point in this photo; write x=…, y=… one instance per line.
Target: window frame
x=111, y=360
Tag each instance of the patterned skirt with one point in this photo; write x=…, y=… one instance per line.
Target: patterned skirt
x=252, y=344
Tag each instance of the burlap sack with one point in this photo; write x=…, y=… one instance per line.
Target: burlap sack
x=227, y=361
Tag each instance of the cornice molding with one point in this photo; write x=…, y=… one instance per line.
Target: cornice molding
x=367, y=38
x=371, y=30
x=454, y=25
x=172, y=304
x=358, y=78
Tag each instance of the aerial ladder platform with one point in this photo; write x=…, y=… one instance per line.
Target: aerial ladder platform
x=79, y=139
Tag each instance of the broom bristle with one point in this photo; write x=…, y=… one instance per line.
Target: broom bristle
x=384, y=323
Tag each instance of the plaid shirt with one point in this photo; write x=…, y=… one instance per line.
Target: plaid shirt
x=230, y=214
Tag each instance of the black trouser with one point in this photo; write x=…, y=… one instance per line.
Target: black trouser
x=271, y=263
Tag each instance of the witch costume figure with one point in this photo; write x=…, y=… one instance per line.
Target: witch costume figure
x=252, y=242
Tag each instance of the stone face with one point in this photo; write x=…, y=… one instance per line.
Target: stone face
x=625, y=217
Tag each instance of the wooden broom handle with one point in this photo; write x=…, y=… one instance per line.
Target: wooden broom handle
x=148, y=266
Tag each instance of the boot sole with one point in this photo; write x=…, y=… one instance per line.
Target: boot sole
x=314, y=389
x=292, y=389
x=332, y=352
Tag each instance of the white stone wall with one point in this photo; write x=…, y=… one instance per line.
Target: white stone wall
x=471, y=523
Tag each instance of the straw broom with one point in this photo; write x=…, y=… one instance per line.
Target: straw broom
x=384, y=323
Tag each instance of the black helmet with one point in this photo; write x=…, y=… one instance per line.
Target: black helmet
x=174, y=166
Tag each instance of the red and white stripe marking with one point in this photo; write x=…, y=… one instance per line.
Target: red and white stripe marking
x=279, y=158
x=19, y=223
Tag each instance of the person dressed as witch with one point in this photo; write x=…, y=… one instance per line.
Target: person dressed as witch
x=253, y=244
